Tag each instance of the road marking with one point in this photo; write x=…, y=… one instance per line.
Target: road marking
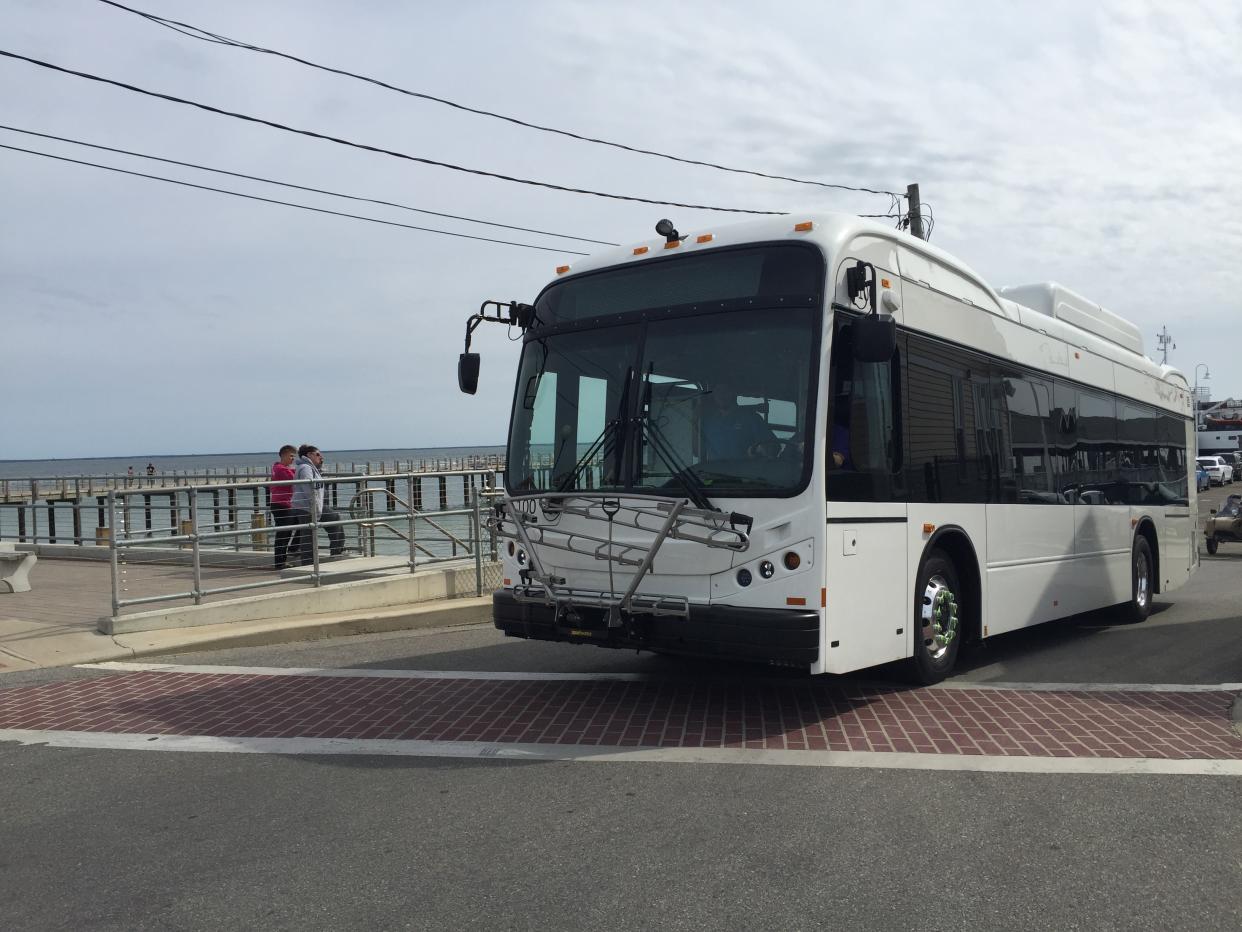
x=124, y=666
x=476, y=750
x=134, y=667
x=1097, y=687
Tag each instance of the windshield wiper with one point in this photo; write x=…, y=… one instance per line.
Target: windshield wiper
x=655, y=437
x=606, y=442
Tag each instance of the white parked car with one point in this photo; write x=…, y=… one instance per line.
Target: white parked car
x=1218, y=470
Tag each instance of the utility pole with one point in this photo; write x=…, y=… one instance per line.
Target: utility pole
x=914, y=216
x=1164, y=340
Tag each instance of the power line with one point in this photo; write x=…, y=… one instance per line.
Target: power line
x=376, y=149
x=269, y=200
x=299, y=187
x=195, y=32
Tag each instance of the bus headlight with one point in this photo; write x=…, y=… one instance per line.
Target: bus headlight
x=521, y=557
x=766, y=569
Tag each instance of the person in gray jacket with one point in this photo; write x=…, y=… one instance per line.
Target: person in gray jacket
x=309, y=462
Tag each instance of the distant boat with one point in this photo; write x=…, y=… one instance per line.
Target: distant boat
x=1219, y=441
x=1222, y=422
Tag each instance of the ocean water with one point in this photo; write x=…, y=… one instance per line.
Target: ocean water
x=202, y=463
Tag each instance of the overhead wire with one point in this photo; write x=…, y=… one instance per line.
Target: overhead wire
x=299, y=187
x=375, y=149
x=270, y=200
x=196, y=32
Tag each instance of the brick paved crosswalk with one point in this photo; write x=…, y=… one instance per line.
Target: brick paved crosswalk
x=609, y=713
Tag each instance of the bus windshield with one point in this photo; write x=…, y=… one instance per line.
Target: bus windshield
x=715, y=403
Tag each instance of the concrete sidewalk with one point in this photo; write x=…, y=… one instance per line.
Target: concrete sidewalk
x=57, y=623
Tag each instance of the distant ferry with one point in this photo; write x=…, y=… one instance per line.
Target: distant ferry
x=1219, y=441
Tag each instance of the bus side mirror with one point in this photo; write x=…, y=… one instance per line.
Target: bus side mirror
x=875, y=338
x=468, y=372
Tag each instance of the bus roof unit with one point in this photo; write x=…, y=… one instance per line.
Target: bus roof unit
x=1055, y=301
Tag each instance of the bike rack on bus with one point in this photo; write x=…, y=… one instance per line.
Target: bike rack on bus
x=519, y=519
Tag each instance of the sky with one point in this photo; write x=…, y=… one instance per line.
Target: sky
x=1093, y=144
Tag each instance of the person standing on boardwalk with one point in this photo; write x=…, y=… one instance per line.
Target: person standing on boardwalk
x=310, y=496
x=281, y=503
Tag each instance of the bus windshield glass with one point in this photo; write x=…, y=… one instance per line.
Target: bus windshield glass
x=705, y=404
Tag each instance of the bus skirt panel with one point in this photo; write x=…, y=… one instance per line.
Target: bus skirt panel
x=761, y=635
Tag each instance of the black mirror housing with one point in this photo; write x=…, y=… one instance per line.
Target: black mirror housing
x=875, y=338
x=468, y=372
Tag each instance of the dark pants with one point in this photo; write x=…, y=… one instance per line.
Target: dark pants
x=285, y=517
x=301, y=550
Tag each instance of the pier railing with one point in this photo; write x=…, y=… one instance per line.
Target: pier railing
x=202, y=540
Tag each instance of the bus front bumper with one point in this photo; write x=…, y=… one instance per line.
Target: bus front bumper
x=760, y=635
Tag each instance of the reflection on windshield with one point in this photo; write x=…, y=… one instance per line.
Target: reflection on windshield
x=717, y=404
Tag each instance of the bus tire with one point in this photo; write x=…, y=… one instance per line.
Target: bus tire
x=938, y=619
x=1212, y=546
x=1142, y=576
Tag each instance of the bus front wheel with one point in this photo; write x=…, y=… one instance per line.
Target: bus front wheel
x=937, y=619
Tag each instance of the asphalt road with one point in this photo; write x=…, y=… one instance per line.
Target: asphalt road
x=148, y=840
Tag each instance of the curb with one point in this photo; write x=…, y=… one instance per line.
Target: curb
x=92, y=647
x=312, y=628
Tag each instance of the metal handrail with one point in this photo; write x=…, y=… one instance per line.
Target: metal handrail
x=188, y=497
x=394, y=497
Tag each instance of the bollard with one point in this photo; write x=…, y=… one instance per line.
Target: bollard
x=259, y=538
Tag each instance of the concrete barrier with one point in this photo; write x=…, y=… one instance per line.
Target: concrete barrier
x=15, y=568
x=440, y=582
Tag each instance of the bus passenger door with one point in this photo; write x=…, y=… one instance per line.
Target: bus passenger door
x=866, y=610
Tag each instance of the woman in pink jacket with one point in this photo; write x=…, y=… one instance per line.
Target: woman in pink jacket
x=280, y=502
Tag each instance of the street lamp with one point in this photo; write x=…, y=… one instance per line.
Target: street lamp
x=1206, y=375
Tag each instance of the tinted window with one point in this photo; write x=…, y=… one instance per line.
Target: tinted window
x=949, y=425
x=1032, y=432
x=720, y=275
x=1097, y=473
x=864, y=438
x=725, y=397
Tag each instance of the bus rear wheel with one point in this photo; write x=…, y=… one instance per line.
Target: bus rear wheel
x=1141, y=580
x=937, y=619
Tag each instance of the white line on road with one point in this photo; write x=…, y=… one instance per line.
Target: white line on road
x=126, y=666
x=476, y=750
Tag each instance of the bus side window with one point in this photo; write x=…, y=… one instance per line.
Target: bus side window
x=864, y=440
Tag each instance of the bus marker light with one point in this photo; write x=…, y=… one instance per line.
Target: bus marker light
x=508, y=582
x=705, y=238
x=640, y=250
x=579, y=633
x=672, y=244
x=884, y=283
x=795, y=600
x=792, y=561
x=823, y=598
x=562, y=269
x=805, y=226
x=928, y=528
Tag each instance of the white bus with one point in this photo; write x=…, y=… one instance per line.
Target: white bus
x=823, y=443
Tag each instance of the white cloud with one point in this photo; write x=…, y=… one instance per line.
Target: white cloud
x=1095, y=145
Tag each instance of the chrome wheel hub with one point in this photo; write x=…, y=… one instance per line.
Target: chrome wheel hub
x=1141, y=581
x=938, y=617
